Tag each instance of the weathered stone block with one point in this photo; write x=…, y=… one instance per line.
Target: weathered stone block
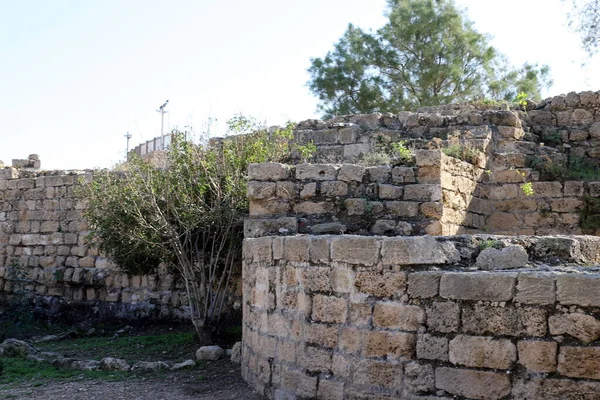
x=351, y=173
x=443, y=317
x=397, y=345
x=350, y=340
x=352, y=151
x=404, y=209
x=478, y=286
x=472, y=384
x=582, y=290
x=422, y=285
x=355, y=249
x=377, y=373
x=321, y=334
x=309, y=190
x=398, y=316
x=428, y=157
x=261, y=190
x=266, y=172
x=403, y=175
x=507, y=321
x=536, y=288
x=510, y=257
x=417, y=250
x=264, y=227
x=329, y=309
x=579, y=362
x=418, y=378
x=334, y=188
x=381, y=284
x=260, y=208
x=296, y=248
x=554, y=389
x=537, y=356
x=319, y=248
x=390, y=192
x=380, y=174
x=314, y=208
x=258, y=250
x=431, y=347
x=423, y=192
x=316, y=172
x=583, y=327
x=482, y=352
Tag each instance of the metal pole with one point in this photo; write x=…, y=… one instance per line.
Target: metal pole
x=128, y=136
x=162, y=128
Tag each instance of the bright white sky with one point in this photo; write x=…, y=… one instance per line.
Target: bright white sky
x=76, y=76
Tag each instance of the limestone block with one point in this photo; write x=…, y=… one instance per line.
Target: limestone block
x=472, y=384
x=511, y=132
x=579, y=362
x=316, y=279
x=316, y=172
x=554, y=389
x=594, y=189
x=349, y=134
x=258, y=250
x=503, y=222
x=390, y=315
x=334, y=188
x=536, y=288
x=314, y=208
x=537, y=356
x=295, y=248
x=351, y=151
x=308, y=191
x=429, y=158
x=581, y=117
x=432, y=209
x=431, y=347
x=378, y=373
x=403, y=175
x=260, y=208
x=578, y=135
x=367, y=121
x=355, y=249
x=384, y=227
x=504, y=321
x=573, y=188
x=350, y=340
x=482, y=352
x=360, y=314
x=582, y=290
x=381, y=284
x=390, y=192
x=319, y=249
x=418, y=378
x=417, y=250
x=478, y=286
x=581, y=326
x=329, y=309
x=423, y=192
x=325, y=136
x=566, y=205
x=264, y=227
x=267, y=172
x=351, y=173
x=504, y=118
x=321, y=334
x=422, y=285
x=510, y=257
x=398, y=345
x=403, y=209
x=355, y=206
x=261, y=190
x=429, y=175
x=443, y=317
x=330, y=390
x=379, y=174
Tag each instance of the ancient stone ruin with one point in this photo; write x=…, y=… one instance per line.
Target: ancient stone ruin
x=352, y=292
x=456, y=274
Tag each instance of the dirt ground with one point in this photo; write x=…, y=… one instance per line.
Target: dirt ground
x=218, y=380
x=215, y=380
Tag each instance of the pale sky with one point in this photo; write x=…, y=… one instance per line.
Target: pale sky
x=77, y=75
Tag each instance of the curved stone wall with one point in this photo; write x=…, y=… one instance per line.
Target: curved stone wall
x=354, y=317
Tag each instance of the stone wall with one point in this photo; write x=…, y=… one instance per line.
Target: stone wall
x=44, y=254
x=354, y=317
x=326, y=198
x=438, y=195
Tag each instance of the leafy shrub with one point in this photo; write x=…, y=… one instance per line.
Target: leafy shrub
x=590, y=215
x=464, y=152
x=573, y=168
